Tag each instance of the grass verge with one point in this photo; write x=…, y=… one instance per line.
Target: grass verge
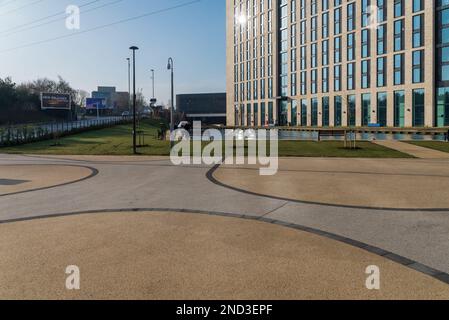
x=118, y=141
x=435, y=145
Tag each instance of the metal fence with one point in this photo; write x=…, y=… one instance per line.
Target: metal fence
x=20, y=134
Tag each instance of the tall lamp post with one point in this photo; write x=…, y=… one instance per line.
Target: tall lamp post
x=129, y=83
x=170, y=67
x=134, y=48
x=152, y=78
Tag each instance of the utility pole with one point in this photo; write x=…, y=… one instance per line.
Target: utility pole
x=170, y=66
x=129, y=83
x=134, y=48
x=152, y=78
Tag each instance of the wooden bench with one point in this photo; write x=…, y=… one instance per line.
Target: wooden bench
x=349, y=135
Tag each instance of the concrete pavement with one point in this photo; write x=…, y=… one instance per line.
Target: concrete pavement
x=167, y=255
x=414, y=150
x=151, y=184
x=368, y=183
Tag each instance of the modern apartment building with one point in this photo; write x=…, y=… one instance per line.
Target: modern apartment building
x=332, y=63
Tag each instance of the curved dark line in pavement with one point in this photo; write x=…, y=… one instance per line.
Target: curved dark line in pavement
x=211, y=178
x=346, y=172
x=94, y=161
x=94, y=172
x=408, y=263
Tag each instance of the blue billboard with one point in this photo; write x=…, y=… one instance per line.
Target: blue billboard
x=96, y=104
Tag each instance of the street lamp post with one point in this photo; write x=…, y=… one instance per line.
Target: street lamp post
x=129, y=83
x=134, y=48
x=152, y=78
x=170, y=67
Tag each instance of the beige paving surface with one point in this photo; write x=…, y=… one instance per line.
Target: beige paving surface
x=414, y=150
x=189, y=256
x=39, y=176
x=379, y=183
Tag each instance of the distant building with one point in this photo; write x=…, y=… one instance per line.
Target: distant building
x=115, y=101
x=209, y=108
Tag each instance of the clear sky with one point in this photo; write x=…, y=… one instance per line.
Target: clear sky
x=193, y=35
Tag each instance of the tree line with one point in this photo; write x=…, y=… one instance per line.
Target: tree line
x=20, y=103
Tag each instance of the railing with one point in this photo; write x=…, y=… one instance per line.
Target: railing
x=21, y=134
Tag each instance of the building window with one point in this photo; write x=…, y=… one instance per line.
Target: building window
x=366, y=109
x=418, y=5
x=366, y=48
x=314, y=58
x=294, y=113
x=399, y=109
x=365, y=12
x=325, y=108
x=442, y=107
x=398, y=8
x=351, y=16
x=418, y=31
x=398, y=69
x=382, y=109
x=337, y=50
x=270, y=113
x=351, y=46
x=337, y=111
x=399, y=35
x=337, y=21
x=293, y=84
x=325, y=53
x=337, y=78
x=381, y=11
x=304, y=112
x=418, y=108
x=418, y=66
x=314, y=29
x=325, y=79
x=351, y=110
x=382, y=39
x=314, y=112
x=325, y=25
x=366, y=74
x=303, y=58
x=256, y=115
x=381, y=71
x=314, y=76
x=303, y=83
x=350, y=76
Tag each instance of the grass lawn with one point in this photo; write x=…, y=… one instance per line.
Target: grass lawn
x=336, y=149
x=110, y=141
x=436, y=145
x=118, y=141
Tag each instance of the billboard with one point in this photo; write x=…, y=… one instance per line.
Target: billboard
x=96, y=103
x=55, y=101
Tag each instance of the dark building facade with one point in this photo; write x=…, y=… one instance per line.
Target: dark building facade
x=209, y=108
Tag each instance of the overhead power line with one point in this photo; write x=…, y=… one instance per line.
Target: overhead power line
x=22, y=7
x=44, y=18
x=6, y=3
x=103, y=26
x=59, y=19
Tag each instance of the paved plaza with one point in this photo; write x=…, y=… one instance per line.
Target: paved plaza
x=223, y=232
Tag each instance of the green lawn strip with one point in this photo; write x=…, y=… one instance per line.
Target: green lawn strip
x=336, y=149
x=110, y=141
x=118, y=141
x=435, y=145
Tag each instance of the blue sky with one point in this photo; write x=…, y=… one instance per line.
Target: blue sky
x=193, y=35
